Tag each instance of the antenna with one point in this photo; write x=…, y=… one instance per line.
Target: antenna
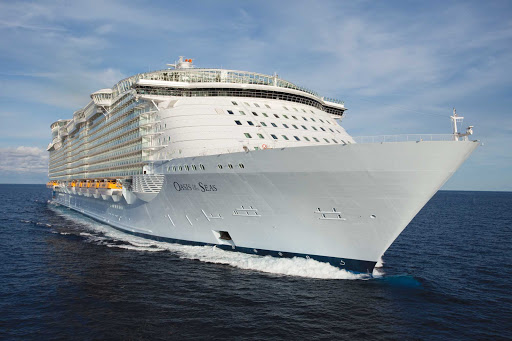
x=456, y=119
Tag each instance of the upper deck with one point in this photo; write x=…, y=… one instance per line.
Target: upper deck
x=184, y=75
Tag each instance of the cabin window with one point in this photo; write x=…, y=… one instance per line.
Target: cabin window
x=312, y=119
x=241, y=112
x=314, y=138
x=273, y=136
x=284, y=125
x=238, y=123
x=194, y=167
x=248, y=135
x=306, y=138
x=295, y=117
x=273, y=124
x=314, y=128
x=264, y=114
x=268, y=106
x=334, y=141
x=254, y=113
x=261, y=136
x=230, y=166
x=234, y=103
x=263, y=124
x=305, y=119
x=187, y=167
x=256, y=105
x=201, y=166
x=230, y=112
x=285, y=117
x=304, y=127
x=220, y=166
x=293, y=125
x=241, y=165
x=285, y=108
x=250, y=123
x=326, y=140
x=285, y=137
x=276, y=116
x=297, y=138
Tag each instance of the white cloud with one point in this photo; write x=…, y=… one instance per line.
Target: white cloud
x=23, y=159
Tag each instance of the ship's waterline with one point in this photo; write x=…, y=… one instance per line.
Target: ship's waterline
x=345, y=206
x=245, y=161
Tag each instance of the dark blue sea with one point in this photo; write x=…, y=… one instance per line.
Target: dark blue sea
x=64, y=276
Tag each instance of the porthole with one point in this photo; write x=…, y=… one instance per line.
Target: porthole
x=241, y=165
x=373, y=216
x=220, y=166
x=180, y=168
x=194, y=167
x=201, y=166
x=174, y=168
x=187, y=167
x=230, y=166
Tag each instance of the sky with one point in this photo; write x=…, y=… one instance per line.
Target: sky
x=400, y=66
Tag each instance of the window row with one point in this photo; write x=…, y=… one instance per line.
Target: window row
x=284, y=107
x=263, y=124
x=254, y=113
x=249, y=136
x=187, y=168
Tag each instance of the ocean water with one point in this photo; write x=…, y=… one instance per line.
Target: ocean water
x=64, y=276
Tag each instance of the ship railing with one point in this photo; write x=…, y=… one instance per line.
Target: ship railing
x=404, y=138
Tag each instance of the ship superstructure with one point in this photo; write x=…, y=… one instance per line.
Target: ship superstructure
x=246, y=161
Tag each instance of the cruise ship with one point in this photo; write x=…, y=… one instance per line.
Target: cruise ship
x=245, y=162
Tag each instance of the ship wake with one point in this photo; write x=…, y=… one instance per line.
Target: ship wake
x=102, y=234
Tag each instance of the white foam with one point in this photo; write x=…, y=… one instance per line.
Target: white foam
x=299, y=267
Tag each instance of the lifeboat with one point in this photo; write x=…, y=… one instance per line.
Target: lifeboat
x=88, y=189
x=81, y=188
x=95, y=189
x=52, y=184
x=72, y=186
x=110, y=189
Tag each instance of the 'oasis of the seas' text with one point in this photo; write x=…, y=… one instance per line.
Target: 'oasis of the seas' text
x=200, y=186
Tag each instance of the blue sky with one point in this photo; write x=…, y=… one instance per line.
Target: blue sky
x=399, y=66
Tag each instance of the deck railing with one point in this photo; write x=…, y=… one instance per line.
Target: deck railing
x=404, y=138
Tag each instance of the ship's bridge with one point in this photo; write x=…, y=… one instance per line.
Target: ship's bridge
x=187, y=80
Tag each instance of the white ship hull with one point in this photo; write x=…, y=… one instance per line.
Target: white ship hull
x=343, y=204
